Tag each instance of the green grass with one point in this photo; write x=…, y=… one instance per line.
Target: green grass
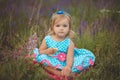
x=104, y=43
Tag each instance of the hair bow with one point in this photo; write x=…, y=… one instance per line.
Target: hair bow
x=60, y=12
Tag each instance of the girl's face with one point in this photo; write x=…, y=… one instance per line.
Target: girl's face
x=61, y=27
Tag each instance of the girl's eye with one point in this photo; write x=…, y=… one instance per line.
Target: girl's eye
x=64, y=25
x=57, y=25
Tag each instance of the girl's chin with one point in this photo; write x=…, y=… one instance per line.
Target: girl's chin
x=62, y=36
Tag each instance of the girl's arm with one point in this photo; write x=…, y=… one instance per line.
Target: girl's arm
x=69, y=61
x=44, y=50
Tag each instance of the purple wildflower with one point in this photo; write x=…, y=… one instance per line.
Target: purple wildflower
x=83, y=24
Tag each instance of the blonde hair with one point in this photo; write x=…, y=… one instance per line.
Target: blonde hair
x=57, y=17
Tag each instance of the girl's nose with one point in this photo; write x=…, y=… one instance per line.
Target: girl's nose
x=61, y=27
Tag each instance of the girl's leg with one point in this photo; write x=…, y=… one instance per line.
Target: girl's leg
x=58, y=75
x=53, y=70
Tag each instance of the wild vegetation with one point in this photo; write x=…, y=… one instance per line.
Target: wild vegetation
x=24, y=23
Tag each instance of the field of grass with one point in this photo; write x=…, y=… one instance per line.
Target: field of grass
x=23, y=25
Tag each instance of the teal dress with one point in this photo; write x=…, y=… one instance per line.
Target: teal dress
x=83, y=58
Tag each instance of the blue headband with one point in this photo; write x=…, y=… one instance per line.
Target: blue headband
x=60, y=12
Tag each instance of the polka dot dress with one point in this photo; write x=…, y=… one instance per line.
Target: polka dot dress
x=83, y=58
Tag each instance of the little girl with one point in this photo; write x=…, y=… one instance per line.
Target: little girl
x=57, y=52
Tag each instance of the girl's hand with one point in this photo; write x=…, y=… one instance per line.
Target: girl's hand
x=52, y=51
x=66, y=71
x=55, y=50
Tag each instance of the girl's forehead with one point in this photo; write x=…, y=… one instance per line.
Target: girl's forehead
x=61, y=19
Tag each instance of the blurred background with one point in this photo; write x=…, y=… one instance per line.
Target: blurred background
x=24, y=23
